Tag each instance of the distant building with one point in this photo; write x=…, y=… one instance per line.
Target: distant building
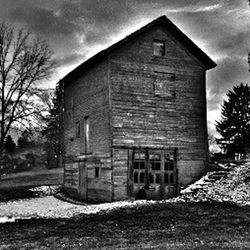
x=135, y=117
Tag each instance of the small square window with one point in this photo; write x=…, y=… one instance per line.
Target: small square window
x=158, y=48
x=97, y=172
x=86, y=134
x=78, y=130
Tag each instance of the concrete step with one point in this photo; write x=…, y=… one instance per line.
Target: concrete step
x=217, y=176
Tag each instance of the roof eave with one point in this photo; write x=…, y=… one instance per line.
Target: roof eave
x=174, y=30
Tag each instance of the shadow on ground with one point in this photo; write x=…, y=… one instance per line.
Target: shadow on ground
x=161, y=226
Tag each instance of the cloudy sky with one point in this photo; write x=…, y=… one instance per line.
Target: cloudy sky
x=78, y=29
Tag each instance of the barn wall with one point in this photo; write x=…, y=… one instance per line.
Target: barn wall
x=99, y=189
x=177, y=120
x=120, y=173
x=88, y=95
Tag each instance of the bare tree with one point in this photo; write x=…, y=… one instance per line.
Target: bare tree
x=24, y=62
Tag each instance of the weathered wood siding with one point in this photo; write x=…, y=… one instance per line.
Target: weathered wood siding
x=141, y=119
x=99, y=189
x=90, y=187
x=88, y=95
x=120, y=174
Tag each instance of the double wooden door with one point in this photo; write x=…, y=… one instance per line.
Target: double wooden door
x=154, y=173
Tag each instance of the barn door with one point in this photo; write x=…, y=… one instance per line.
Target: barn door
x=155, y=168
x=83, y=185
x=170, y=174
x=154, y=174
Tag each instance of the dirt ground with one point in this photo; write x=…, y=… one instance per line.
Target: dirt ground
x=156, y=226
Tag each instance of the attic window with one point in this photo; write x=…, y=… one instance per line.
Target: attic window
x=158, y=48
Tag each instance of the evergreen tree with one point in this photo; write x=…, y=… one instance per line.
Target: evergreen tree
x=10, y=145
x=234, y=125
x=53, y=131
x=23, y=141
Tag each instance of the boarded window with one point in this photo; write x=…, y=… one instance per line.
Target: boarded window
x=78, y=130
x=86, y=134
x=164, y=84
x=158, y=48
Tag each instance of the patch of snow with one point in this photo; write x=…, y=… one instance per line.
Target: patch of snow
x=51, y=207
x=6, y=219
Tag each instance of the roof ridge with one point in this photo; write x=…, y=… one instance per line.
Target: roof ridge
x=172, y=28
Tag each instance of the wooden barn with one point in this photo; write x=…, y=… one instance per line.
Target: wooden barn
x=135, y=117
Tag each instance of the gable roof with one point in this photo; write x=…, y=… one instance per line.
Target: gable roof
x=172, y=29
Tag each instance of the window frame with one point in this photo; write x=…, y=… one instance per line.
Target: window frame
x=155, y=48
x=86, y=134
x=97, y=172
x=165, y=175
x=78, y=129
x=164, y=85
x=139, y=173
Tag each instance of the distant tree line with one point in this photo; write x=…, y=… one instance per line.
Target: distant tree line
x=23, y=141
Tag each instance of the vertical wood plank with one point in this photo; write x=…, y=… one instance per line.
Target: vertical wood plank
x=130, y=173
x=83, y=184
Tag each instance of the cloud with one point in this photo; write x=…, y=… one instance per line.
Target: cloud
x=235, y=44
x=69, y=59
x=61, y=33
x=100, y=19
x=194, y=9
x=44, y=21
x=229, y=72
x=75, y=29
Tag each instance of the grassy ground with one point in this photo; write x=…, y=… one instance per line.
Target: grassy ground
x=157, y=226
x=32, y=179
